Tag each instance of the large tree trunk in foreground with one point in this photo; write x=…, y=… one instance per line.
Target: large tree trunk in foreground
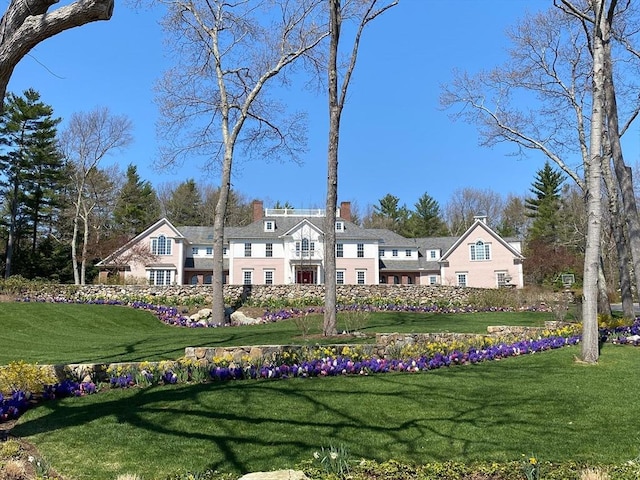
x=27, y=23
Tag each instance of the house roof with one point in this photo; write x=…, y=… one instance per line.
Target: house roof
x=389, y=238
x=109, y=260
x=286, y=224
x=489, y=231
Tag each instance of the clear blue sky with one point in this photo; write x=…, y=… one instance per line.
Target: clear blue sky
x=394, y=137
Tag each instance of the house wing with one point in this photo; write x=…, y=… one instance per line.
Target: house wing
x=481, y=224
x=112, y=258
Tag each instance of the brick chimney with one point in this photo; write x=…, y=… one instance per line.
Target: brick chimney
x=258, y=211
x=345, y=211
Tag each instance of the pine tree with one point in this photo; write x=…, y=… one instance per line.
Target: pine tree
x=31, y=168
x=137, y=206
x=544, y=207
x=184, y=206
x=426, y=220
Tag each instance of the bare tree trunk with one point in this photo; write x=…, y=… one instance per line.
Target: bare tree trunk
x=593, y=173
x=85, y=244
x=335, y=107
x=218, y=314
x=604, y=306
x=11, y=239
x=622, y=171
x=337, y=96
x=620, y=240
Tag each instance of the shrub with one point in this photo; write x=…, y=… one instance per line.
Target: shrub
x=25, y=377
x=13, y=470
x=9, y=449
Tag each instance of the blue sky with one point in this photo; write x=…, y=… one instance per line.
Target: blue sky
x=394, y=137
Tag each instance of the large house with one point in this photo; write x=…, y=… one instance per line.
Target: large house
x=286, y=246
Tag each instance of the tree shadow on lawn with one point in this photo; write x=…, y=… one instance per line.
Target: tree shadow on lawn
x=255, y=425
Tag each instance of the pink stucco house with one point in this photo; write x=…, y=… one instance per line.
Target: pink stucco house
x=285, y=246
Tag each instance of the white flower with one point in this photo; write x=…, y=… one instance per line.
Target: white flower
x=333, y=455
x=316, y=455
x=31, y=458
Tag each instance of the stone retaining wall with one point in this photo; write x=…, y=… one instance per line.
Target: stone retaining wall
x=265, y=295
x=387, y=345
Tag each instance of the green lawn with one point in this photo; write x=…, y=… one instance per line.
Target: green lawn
x=542, y=404
x=50, y=333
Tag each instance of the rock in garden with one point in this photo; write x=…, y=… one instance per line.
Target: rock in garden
x=276, y=475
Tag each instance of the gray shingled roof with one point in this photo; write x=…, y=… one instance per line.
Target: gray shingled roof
x=391, y=239
x=285, y=224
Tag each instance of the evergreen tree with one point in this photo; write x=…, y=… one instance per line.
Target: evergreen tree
x=387, y=214
x=137, y=205
x=31, y=168
x=184, y=206
x=544, y=207
x=426, y=220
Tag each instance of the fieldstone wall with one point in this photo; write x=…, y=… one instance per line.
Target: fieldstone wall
x=264, y=295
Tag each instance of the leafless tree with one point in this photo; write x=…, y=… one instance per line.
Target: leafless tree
x=362, y=12
x=215, y=99
x=467, y=203
x=86, y=141
x=25, y=24
x=555, y=73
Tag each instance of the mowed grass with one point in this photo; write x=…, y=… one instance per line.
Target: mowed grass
x=50, y=333
x=543, y=404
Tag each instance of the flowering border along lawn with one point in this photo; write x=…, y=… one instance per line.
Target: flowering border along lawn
x=224, y=369
x=172, y=316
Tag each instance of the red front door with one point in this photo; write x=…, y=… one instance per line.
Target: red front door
x=304, y=276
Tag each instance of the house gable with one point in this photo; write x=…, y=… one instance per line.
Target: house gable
x=480, y=230
x=161, y=227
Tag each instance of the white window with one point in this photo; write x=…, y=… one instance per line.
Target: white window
x=381, y=252
x=209, y=251
x=433, y=280
x=247, y=277
x=269, y=250
x=247, y=249
x=161, y=245
x=339, y=277
x=432, y=254
x=361, y=250
x=407, y=253
x=194, y=250
x=268, y=277
x=480, y=251
x=461, y=279
x=361, y=277
x=394, y=252
x=160, y=277
x=269, y=226
x=339, y=250
x=339, y=226
x=502, y=279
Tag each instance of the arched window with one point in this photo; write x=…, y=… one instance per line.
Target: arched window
x=161, y=245
x=208, y=280
x=194, y=279
x=480, y=251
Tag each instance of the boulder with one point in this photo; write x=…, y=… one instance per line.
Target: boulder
x=276, y=475
x=239, y=318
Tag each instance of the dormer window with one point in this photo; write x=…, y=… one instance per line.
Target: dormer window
x=339, y=226
x=269, y=226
